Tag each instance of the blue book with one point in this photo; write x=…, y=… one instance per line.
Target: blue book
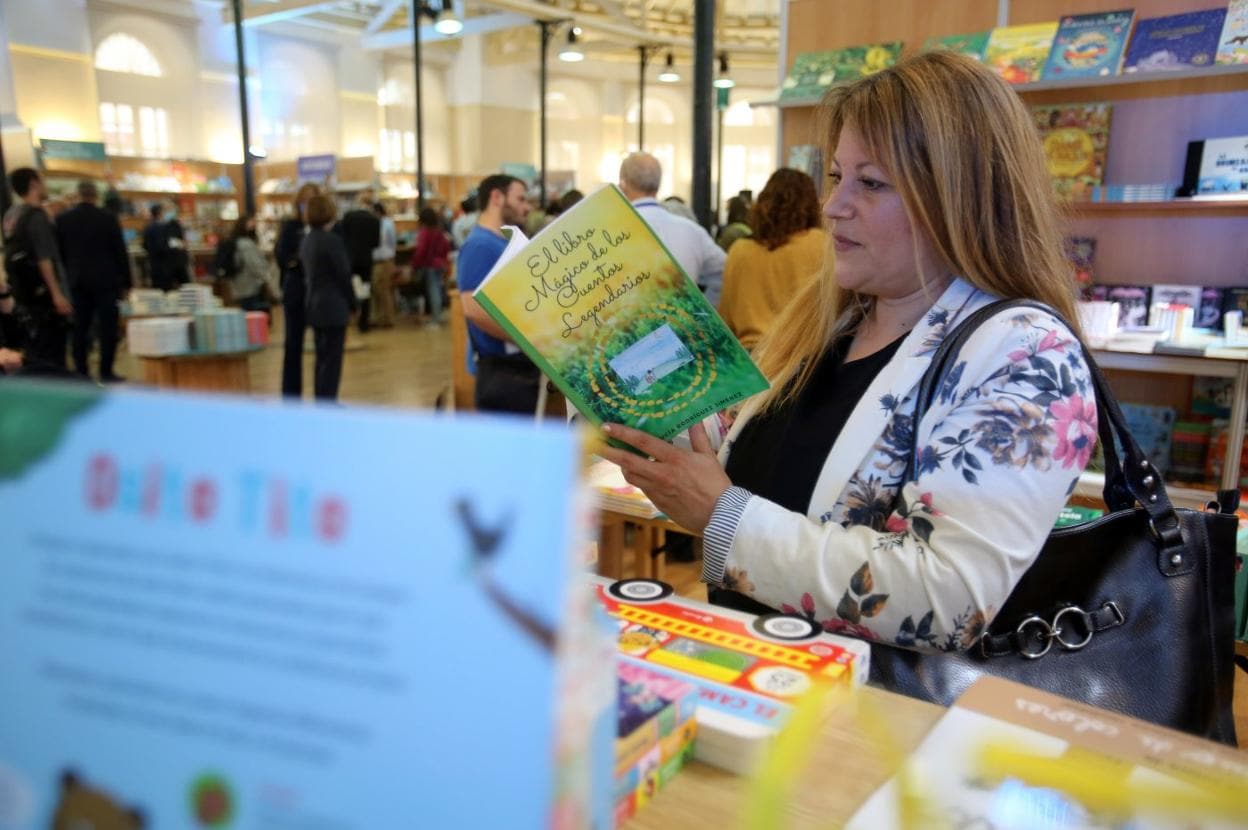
x=1176, y=42
x=1089, y=45
x=231, y=614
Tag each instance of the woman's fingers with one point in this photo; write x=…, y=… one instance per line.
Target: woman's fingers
x=651, y=446
x=699, y=440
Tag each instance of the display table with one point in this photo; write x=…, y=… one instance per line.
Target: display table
x=649, y=534
x=216, y=372
x=846, y=767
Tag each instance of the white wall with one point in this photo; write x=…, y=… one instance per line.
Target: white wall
x=298, y=90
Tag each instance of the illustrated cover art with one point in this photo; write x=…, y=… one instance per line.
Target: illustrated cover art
x=1209, y=315
x=1018, y=53
x=1081, y=251
x=809, y=159
x=1089, y=45
x=972, y=45
x=1233, y=43
x=814, y=72
x=1133, y=303
x=1224, y=167
x=1076, y=140
x=1175, y=42
x=1174, y=294
x=605, y=311
x=644, y=695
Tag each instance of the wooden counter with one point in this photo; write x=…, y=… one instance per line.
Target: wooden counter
x=220, y=372
x=846, y=768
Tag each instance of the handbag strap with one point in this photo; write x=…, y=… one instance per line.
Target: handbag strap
x=1129, y=480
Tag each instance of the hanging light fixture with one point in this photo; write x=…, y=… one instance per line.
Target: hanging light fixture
x=571, y=53
x=722, y=81
x=446, y=23
x=669, y=75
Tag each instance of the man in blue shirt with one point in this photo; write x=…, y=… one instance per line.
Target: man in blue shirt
x=507, y=381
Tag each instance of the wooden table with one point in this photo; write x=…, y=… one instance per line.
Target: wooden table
x=845, y=769
x=648, y=536
x=219, y=372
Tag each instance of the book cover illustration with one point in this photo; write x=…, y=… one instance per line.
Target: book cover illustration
x=1081, y=251
x=814, y=72
x=1018, y=53
x=1188, y=295
x=1076, y=142
x=809, y=159
x=1224, y=167
x=1133, y=304
x=602, y=307
x=1089, y=45
x=1175, y=42
x=1209, y=315
x=972, y=45
x=1153, y=428
x=1235, y=299
x=1233, y=43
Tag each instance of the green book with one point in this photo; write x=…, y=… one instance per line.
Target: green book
x=605, y=311
x=814, y=72
x=972, y=45
x=1075, y=515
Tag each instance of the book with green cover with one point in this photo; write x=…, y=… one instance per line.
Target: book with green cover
x=972, y=45
x=814, y=72
x=605, y=311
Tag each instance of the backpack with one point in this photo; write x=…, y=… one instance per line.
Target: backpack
x=225, y=264
x=20, y=264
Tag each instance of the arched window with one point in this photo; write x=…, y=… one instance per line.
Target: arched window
x=559, y=107
x=125, y=53
x=657, y=112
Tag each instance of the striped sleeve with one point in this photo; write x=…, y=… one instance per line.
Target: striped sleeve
x=720, y=531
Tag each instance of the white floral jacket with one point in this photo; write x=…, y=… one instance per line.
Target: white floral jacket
x=1001, y=449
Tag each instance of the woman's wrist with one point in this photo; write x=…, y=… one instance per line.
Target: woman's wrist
x=720, y=531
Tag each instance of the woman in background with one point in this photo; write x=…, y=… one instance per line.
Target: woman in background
x=294, y=291
x=765, y=271
x=738, y=224
x=331, y=298
x=429, y=261
x=383, y=271
x=251, y=272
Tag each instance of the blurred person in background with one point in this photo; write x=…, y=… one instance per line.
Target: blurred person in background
x=331, y=297
x=98, y=270
x=464, y=224
x=737, y=225
x=361, y=231
x=250, y=284
x=383, y=270
x=294, y=289
x=11, y=338
x=430, y=259
x=32, y=260
x=765, y=271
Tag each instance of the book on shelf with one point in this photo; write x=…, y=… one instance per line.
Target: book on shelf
x=1223, y=167
x=1233, y=42
x=605, y=311
x=814, y=72
x=978, y=767
x=809, y=159
x=1176, y=294
x=1089, y=45
x=1076, y=141
x=1133, y=304
x=1018, y=53
x=1235, y=299
x=972, y=44
x=1099, y=320
x=1209, y=313
x=748, y=670
x=1175, y=42
x=1081, y=251
x=1152, y=427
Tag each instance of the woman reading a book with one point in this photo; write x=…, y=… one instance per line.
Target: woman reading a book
x=940, y=203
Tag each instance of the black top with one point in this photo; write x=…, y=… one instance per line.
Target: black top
x=93, y=249
x=779, y=455
x=361, y=230
x=327, y=271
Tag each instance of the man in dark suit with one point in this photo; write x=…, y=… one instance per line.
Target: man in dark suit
x=94, y=252
x=361, y=230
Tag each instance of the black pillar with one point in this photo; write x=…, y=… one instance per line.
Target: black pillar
x=547, y=27
x=719, y=161
x=417, y=8
x=5, y=200
x=643, y=52
x=249, y=173
x=703, y=100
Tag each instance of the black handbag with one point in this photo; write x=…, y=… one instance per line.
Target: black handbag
x=1131, y=612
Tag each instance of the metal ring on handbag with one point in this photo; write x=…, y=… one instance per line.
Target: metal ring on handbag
x=1079, y=614
x=1046, y=634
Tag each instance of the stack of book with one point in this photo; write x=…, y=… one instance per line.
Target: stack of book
x=616, y=494
x=159, y=336
x=655, y=736
x=148, y=302
x=220, y=330
x=194, y=297
x=257, y=328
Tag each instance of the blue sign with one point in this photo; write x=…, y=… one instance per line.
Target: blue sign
x=53, y=148
x=316, y=168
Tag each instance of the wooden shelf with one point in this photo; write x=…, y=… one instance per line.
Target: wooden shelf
x=1216, y=78
x=1201, y=207
x=177, y=194
x=1091, y=486
x=1172, y=364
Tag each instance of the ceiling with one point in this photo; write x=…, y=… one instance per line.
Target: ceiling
x=749, y=30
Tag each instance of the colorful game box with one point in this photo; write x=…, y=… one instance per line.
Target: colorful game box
x=748, y=669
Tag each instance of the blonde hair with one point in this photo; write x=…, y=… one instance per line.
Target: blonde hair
x=965, y=157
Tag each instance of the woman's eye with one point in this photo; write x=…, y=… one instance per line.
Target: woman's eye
x=835, y=177
x=870, y=184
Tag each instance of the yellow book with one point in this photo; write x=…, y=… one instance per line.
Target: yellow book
x=1018, y=53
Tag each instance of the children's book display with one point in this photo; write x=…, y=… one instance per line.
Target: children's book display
x=1175, y=42
x=814, y=72
x=1224, y=167
x=1089, y=45
x=617, y=495
x=972, y=45
x=748, y=669
x=1008, y=755
x=1233, y=43
x=1152, y=428
x=1076, y=140
x=1018, y=53
x=244, y=633
x=602, y=307
x=656, y=735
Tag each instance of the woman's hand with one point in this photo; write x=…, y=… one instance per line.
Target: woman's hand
x=683, y=484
